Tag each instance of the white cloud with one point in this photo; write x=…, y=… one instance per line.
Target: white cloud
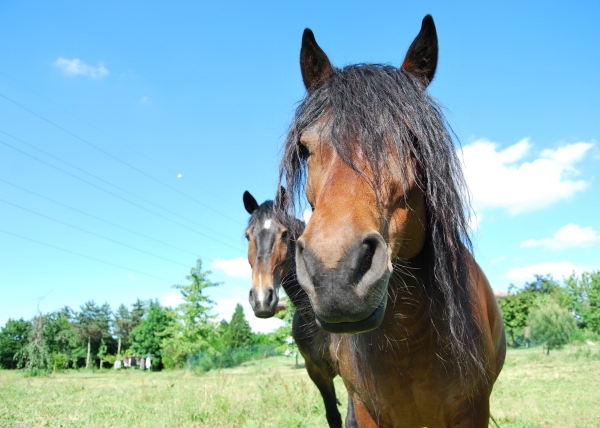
x=76, y=67
x=503, y=179
x=568, y=236
x=306, y=215
x=557, y=270
x=171, y=299
x=235, y=268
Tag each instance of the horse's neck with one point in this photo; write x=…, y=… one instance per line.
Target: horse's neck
x=298, y=296
x=409, y=312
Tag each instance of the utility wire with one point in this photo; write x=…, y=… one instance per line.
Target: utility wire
x=120, y=197
x=98, y=218
x=84, y=256
x=137, y=152
x=92, y=233
x=114, y=185
x=117, y=159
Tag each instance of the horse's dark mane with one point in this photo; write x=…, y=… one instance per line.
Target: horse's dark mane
x=380, y=112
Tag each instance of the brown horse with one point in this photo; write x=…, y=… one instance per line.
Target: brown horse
x=271, y=235
x=386, y=258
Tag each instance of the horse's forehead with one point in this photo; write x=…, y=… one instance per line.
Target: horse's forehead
x=270, y=224
x=317, y=129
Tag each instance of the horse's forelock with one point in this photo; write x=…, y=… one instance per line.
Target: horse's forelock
x=269, y=211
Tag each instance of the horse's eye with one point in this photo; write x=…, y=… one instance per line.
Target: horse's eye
x=304, y=152
x=247, y=237
x=284, y=235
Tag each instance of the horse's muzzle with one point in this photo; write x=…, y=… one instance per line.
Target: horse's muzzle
x=264, y=302
x=352, y=296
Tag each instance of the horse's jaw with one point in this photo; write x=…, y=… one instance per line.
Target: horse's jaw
x=372, y=322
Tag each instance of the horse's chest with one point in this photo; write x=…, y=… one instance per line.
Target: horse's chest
x=398, y=389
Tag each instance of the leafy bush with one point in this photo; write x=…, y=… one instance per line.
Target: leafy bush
x=584, y=335
x=551, y=325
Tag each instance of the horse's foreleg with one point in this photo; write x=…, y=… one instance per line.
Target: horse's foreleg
x=324, y=381
x=362, y=417
x=351, y=421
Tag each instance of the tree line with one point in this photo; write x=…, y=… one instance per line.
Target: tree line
x=95, y=336
x=544, y=311
x=552, y=313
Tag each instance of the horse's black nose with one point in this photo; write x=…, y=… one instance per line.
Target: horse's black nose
x=263, y=301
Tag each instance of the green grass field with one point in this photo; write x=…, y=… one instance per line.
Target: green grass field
x=561, y=390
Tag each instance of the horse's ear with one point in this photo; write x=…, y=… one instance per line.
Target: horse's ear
x=314, y=64
x=280, y=198
x=250, y=203
x=422, y=56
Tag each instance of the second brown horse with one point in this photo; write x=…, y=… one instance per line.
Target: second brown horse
x=271, y=236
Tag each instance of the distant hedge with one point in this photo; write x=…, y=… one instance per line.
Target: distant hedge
x=205, y=361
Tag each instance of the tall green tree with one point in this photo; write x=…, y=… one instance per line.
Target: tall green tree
x=61, y=336
x=93, y=324
x=238, y=333
x=584, y=299
x=13, y=337
x=138, y=311
x=35, y=355
x=192, y=329
x=515, y=312
x=551, y=325
x=516, y=306
x=147, y=336
x=123, y=324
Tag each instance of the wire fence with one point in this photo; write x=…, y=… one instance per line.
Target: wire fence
x=205, y=361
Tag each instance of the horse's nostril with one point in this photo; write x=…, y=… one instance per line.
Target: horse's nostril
x=270, y=297
x=366, y=258
x=251, y=294
x=299, y=246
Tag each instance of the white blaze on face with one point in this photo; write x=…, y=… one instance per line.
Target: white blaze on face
x=267, y=224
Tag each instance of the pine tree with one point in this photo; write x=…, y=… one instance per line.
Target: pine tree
x=93, y=325
x=122, y=326
x=238, y=333
x=192, y=329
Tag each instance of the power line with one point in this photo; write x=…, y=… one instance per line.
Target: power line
x=117, y=159
x=119, y=197
x=137, y=152
x=98, y=218
x=84, y=256
x=92, y=233
x=113, y=185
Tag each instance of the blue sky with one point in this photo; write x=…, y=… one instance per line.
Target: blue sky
x=104, y=104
